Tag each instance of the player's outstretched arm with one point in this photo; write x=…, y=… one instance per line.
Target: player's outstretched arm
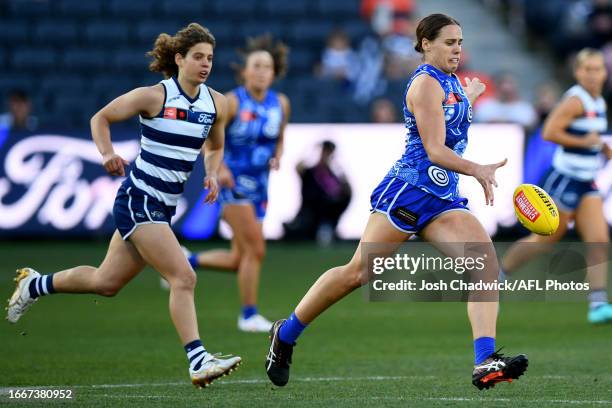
x=559, y=120
x=213, y=147
x=146, y=101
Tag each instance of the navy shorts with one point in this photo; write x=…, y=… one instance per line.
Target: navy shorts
x=567, y=192
x=408, y=208
x=133, y=207
x=229, y=196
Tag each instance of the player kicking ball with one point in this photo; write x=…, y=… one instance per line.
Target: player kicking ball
x=420, y=195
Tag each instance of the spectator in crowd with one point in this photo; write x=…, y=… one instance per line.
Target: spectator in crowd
x=386, y=9
x=338, y=59
x=465, y=71
x=539, y=152
x=599, y=21
x=19, y=115
x=507, y=106
x=401, y=59
x=547, y=96
x=383, y=110
x=325, y=196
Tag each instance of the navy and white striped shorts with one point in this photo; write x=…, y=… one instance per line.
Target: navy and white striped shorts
x=133, y=207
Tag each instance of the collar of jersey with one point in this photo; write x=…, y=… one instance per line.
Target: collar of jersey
x=191, y=100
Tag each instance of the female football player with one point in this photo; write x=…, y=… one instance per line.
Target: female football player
x=257, y=117
x=178, y=118
x=420, y=195
x=575, y=125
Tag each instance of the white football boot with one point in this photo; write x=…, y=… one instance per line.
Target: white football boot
x=213, y=367
x=254, y=324
x=21, y=300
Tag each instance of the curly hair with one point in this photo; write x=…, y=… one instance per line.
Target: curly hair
x=277, y=49
x=167, y=46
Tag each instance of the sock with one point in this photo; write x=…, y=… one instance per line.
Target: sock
x=597, y=297
x=193, y=261
x=41, y=286
x=195, y=353
x=483, y=348
x=248, y=311
x=291, y=329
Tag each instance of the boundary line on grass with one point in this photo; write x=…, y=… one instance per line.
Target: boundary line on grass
x=5, y=390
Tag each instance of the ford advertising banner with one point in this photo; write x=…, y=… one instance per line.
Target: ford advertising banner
x=53, y=184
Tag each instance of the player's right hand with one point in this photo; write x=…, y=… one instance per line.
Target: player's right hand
x=114, y=164
x=485, y=174
x=226, y=178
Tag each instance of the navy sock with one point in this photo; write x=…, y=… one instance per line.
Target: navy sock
x=483, y=348
x=248, y=311
x=41, y=286
x=291, y=329
x=195, y=353
x=193, y=261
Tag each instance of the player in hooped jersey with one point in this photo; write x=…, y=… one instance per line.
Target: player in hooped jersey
x=419, y=195
x=256, y=122
x=575, y=125
x=178, y=117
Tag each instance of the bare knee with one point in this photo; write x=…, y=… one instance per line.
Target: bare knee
x=353, y=276
x=183, y=280
x=255, y=251
x=108, y=287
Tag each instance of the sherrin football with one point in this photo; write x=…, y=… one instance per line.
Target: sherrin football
x=535, y=209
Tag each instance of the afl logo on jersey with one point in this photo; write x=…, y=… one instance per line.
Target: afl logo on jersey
x=438, y=176
x=470, y=114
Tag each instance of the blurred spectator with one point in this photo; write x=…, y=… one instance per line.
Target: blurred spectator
x=19, y=115
x=369, y=82
x=325, y=196
x=377, y=59
x=599, y=21
x=401, y=59
x=507, y=106
x=547, y=96
x=466, y=71
x=382, y=13
x=383, y=111
x=338, y=59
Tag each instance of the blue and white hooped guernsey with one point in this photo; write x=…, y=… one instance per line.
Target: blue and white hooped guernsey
x=171, y=142
x=576, y=162
x=414, y=167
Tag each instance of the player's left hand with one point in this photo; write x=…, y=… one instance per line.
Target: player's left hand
x=474, y=88
x=274, y=163
x=211, y=184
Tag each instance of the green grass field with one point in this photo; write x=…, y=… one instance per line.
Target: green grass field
x=124, y=351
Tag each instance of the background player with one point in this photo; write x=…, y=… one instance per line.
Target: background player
x=256, y=122
x=178, y=117
x=575, y=125
x=419, y=196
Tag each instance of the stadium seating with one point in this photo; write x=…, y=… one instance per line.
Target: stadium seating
x=100, y=46
x=79, y=8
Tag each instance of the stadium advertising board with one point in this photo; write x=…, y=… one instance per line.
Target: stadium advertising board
x=53, y=183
